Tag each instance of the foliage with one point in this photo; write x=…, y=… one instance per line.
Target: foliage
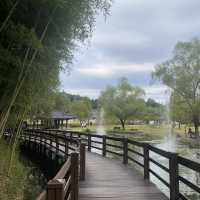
x=82, y=110
x=123, y=101
x=153, y=111
x=37, y=41
x=179, y=111
x=182, y=74
x=62, y=102
x=21, y=185
x=58, y=101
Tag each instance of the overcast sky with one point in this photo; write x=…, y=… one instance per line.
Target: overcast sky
x=136, y=36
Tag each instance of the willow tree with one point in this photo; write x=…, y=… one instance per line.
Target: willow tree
x=82, y=110
x=123, y=102
x=182, y=74
x=37, y=41
x=179, y=110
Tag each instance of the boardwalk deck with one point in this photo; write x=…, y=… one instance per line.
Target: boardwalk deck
x=108, y=179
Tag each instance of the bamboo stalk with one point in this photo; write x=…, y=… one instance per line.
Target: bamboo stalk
x=9, y=15
x=19, y=128
x=22, y=78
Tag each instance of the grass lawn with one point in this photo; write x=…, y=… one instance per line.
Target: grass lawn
x=138, y=130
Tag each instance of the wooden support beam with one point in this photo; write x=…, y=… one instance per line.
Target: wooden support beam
x=66, y=149
x=173, y=176
x=55, y=189
x=74, y=176
x=146, y=161
x=82, y=161
x=104, y=146
x=89, y=143
x=125, y=151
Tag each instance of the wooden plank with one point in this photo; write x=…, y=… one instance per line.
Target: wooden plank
x=108, y=179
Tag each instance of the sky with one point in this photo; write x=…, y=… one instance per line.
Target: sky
x=135, y=37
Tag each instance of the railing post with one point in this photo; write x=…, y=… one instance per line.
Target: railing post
x=74, y=176
x=104, y=146
x=173, y=176
x=125, y=151
x=51, y=142
x=57, y=146
x=29, y=138
x=40, y=143
x=34, y=141
x=82, y=161
x=66, y=149
x=45, y=145
x=55, y=190
x=57, y=152
x=89, y=142
x=146, y=161
x=71, y=136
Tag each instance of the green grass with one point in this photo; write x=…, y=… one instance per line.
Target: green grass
x=11, y=186
x=138, y=130
x=19, y=184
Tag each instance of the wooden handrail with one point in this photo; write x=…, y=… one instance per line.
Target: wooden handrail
x=125, y=151
x=65, y=183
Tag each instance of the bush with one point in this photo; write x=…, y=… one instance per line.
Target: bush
x=87, y=130
x=20, y=183
x=74, y=125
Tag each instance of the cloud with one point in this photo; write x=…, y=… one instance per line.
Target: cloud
x=108, y=70
x=136, y=36
x=158, y=92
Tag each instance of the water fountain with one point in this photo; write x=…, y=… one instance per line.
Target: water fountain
x=100, y=123
x=169, y=142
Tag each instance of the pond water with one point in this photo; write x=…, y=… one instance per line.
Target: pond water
x=40, y=170
x=35, y=179
x=186, y=147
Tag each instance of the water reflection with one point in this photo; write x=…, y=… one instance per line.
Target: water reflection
x=187, y=148
x=35, y=179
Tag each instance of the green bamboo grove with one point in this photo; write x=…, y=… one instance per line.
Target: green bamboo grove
x=37, y=40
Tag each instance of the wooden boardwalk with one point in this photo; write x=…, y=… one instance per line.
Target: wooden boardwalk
x=108, y=179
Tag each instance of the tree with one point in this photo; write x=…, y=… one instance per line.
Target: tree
x=153, y=111
x=82, y=110
x=182, y=74
x=36, y=38
x=179, y=110
x=123, y=101
x=62, y=102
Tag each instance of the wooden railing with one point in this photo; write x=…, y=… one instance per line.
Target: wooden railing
x=129, y=151
x=65, y=183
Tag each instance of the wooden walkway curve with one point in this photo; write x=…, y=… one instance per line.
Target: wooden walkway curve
x=109, y=179
x=87, y=175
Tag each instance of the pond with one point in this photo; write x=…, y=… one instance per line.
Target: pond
x=186, y=147
x=35, y=180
